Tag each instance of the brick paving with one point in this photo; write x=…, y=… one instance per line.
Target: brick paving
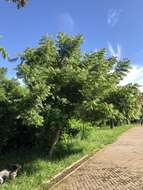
x=117, y=167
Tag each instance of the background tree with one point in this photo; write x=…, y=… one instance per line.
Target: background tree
x=11, y=94
x=103, y=75
x=127, y=100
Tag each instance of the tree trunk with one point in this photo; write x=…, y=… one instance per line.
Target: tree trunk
x=82, y=132
x=111, y=124
x=54, y=142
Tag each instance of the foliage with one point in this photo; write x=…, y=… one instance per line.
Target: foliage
x=101, y=72
x=36, y=167
x=60, y=84
x=12, y=130
x=52, y=74
x=19, y=3
x=127, y=100
x=3, y=52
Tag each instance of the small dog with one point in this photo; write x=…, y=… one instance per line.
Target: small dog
x=10, y=173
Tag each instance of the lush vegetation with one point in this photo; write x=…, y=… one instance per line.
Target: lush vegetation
x=63, y=106
x=37, y=168
x=61, y=83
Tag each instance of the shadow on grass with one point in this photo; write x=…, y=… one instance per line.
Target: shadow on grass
x=62, y=151
x=28, y=158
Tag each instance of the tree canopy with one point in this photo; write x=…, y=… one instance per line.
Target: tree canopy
x=61, y=83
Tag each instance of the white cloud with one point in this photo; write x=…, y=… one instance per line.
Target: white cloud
x=135, y=75
x=113, y=52
x=113, y=16
x=66, y=23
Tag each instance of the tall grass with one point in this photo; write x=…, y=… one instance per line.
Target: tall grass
x=36, y=167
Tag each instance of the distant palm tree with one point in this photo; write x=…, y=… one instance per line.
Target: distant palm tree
x=20, y=3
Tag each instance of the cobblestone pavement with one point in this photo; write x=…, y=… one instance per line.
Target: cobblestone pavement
x=117, y=167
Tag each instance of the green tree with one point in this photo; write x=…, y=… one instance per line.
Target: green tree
x=53, y=74
x=127, y=99
x=64, y=83
x=103, y=76
x=11, y=94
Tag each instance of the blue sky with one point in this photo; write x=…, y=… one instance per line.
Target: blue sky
x=116, y=25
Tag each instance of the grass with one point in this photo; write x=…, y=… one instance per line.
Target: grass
x=37, y=168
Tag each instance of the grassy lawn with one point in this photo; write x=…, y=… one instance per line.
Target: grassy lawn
x=37, y=167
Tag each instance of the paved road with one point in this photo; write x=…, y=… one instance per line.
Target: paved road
x=117, y=167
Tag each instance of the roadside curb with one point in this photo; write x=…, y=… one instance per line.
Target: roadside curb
x=57, y=179
x=54, y=181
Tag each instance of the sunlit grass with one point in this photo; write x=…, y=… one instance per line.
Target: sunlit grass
x=37, y=168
